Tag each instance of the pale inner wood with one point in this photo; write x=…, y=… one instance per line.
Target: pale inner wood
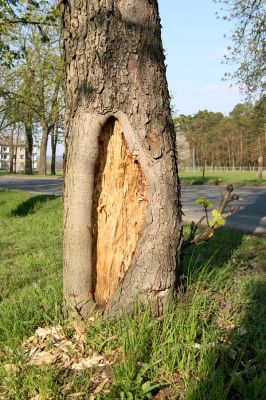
x=121, y=199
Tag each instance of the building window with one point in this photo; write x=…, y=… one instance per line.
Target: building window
x=5, y=156
x=22, y=156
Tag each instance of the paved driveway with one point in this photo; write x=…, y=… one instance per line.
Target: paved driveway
x=251, y=217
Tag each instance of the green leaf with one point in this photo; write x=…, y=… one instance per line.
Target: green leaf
x=148, y=387
x=203, y=201
x=217, y=218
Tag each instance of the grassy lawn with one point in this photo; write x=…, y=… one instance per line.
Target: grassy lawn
x=237, y=178
x=210, y=345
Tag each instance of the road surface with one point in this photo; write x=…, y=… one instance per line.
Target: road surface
x=251, y=217
x=37, y=185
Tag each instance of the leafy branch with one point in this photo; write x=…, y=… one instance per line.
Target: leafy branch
x=219, y=214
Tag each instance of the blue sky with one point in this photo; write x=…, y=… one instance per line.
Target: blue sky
x=194, y=42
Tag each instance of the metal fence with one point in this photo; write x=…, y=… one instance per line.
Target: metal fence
x=218, y=169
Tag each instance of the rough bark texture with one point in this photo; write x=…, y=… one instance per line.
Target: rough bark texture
x=114, y=67
x=29, y=146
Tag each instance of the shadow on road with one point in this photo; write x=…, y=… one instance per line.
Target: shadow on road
x=252, y=216
x=31, y=205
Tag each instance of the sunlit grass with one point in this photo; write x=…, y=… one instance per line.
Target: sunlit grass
x=209, y=345
x=238, y=178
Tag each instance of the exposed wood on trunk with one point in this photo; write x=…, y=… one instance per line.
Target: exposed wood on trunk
x=114, y=66
x=120, y=201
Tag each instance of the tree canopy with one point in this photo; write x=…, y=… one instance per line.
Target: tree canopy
x=236, y=140
x=23, y=13
x=31, y=79
x=248, y=49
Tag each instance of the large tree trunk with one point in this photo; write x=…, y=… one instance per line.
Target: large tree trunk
x=43, y=150
x=122, y=204
x=29, y=146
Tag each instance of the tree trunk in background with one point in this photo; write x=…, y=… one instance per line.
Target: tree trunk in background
x=54, y=139
x=11, y=150
x=16, y=155
x=260, y=168
x=43, y=150
x=29, y=147
x=53, y=159
x=122, y=196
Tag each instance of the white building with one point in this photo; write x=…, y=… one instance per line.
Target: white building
x=19, y=156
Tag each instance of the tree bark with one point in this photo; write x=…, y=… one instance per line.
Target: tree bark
x=43, y=149
x=54, y=139
x=29, y=147
x=120, y=172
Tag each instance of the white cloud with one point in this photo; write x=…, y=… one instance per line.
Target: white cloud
x=219, y=54
x=218, y=88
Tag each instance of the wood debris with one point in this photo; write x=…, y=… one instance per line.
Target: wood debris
x=51, y=345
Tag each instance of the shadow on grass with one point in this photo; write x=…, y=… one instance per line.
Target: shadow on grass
x=215, y=180
x=217, y=251
x=31, y=205
x=197, y=180
x=237, y=364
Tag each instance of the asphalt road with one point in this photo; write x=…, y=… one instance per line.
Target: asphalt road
x=37, y=185
x=251, y=216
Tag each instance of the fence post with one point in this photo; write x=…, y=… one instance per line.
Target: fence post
x=260, y=168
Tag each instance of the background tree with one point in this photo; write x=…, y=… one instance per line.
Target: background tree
x=57, y=136
x=231, y=141
x=34, y=86
x=248, y=50
x=22, y=14
x=242, y=117
x=259, y=124
x=183, y=150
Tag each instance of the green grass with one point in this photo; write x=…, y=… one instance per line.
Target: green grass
x=237, y=178
x=210, y=345
x=30, y=264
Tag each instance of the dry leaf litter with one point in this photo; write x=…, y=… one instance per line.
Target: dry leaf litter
x=50, y=346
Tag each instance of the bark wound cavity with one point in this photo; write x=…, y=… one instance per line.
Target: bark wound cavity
x=120, y=201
